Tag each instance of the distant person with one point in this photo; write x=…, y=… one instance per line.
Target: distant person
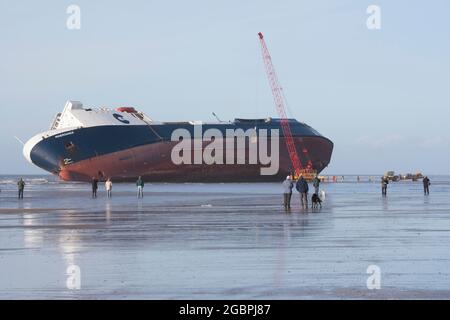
x=358, y=179
x=384, y=184
x=108, y=187
x=316, y=184
x=140, y=187
x=426, y=185
x=302, y=188
x=94, y=184
x=287, y=192
x=21, y=187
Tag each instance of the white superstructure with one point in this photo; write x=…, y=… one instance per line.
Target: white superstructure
x=75, y=115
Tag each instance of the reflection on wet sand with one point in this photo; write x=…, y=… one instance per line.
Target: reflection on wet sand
x=211, y=244
x=108, y=212
x=32, y=237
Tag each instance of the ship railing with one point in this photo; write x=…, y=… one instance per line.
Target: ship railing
x=149, y=122
x=55, y=122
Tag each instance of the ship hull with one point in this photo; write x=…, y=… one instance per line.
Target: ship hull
x=124, y=153
x=153, y=162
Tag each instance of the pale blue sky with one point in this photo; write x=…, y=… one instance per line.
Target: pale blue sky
x=382, y=97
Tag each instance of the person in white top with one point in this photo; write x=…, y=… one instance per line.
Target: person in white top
x=108, y=186
x=287, y=192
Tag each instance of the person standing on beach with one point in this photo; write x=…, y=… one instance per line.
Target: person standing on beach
x=384, y=183
x=316, y=184
x=287, y=192
x=140, y=186
x=94, y=187
x=302, y=188
x=108, y=187
x=426, y=185
x=21, y=187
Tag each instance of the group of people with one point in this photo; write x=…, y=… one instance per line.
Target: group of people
x=94, y=183
x=108, y=187
x=425, y=181
x=301, y=185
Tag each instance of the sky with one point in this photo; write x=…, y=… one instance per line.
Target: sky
x=382, y=96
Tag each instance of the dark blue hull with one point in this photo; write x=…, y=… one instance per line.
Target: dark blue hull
x=118, y=151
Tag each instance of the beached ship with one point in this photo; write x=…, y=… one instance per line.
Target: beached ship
x=124, y=143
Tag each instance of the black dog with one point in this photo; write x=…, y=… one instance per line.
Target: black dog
x=316, y=202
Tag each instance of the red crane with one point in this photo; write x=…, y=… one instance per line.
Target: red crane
x=279, y=103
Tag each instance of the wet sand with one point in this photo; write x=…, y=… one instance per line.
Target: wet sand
x=225, y=241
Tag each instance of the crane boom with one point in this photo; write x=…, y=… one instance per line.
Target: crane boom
x=279, y=103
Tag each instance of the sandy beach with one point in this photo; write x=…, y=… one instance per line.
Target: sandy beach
x=224, y=241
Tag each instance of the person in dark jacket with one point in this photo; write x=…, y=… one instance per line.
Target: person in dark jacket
x=302, y=188
x=287, y=192
x=94, y=187
x=21, y=187
x=384, y=184
x=140, y=186
x=426, y=185
x=316, y=184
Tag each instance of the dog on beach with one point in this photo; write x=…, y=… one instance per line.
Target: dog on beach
x=316, y=202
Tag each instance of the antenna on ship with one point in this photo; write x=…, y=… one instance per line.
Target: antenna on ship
x=215, y=116
x=19, y=140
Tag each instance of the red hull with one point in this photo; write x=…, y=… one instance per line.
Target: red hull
x=153, y=162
